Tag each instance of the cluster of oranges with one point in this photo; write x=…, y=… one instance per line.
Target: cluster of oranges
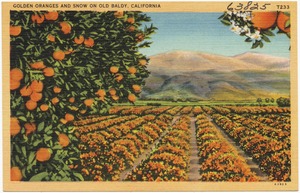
x=16, y=75
x=88, y=42
x=266, y=20
x=256, y=26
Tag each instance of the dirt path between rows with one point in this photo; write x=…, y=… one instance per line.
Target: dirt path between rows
x=253, y=166
x=193, y=174
x=146, y=153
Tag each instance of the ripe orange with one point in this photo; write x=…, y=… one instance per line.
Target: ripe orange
x=63, y=140
x=119, y=77
x=37, y=86
x=16, y=74
x=72, y=100
x=89, y=42
x=65, y=27
x=26, y=91
x=30, y=128
x=36, y=96
x=142, y=62
x=115, y=97
x=69, y=117
x=119, y=14
x=51, y=38
x=44, y=107
x=281, y=21
x=136, y=88
x=140, y=37
x=63, y=121
x=79, y=40
x=14, y=84
x=31, y=105
x=15, y=30
x=56, y=89
x=38, y=65
x=51, y=16
x=264, y=20
x=131, y=28
x=49, y=71
x=43, y=154
x=59, y=55
x=15, y=127
x=132, y=70
x=101, y=92
x=15, y=174
x=131, y=20
x=131, y=97
x=37, y=19
x=88, y=102
x=55, y=100
x=114, y=69
x=112, y=91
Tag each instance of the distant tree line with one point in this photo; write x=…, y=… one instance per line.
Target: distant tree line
x=281, y=101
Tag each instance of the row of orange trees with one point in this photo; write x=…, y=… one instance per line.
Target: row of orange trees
x=219, y=161
x=270, y=148
x=64, y=65
x=169, y=161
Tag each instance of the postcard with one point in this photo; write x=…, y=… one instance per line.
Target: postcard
x=150, y=96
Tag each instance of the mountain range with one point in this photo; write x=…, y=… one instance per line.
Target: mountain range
x=204, y=76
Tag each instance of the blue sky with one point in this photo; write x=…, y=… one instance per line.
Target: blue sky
x=204, y=32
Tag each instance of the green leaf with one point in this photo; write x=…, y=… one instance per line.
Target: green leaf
x=268, y=33
x=29, y=47
x=79, y=176
x=31, y=157
x=265, y=38
x=255, y=45
x=17, y=148
x=39, y=177
x=47, y=138
x=67, y=86
x=41, y=126
x=56, y=147
x=22, y=118
x=33, y=33
x=287, y=24
x=23, y=148
x=248, y=40
x=36, y=143
x=225, y=22
x=50, y=127
x=221, y=16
